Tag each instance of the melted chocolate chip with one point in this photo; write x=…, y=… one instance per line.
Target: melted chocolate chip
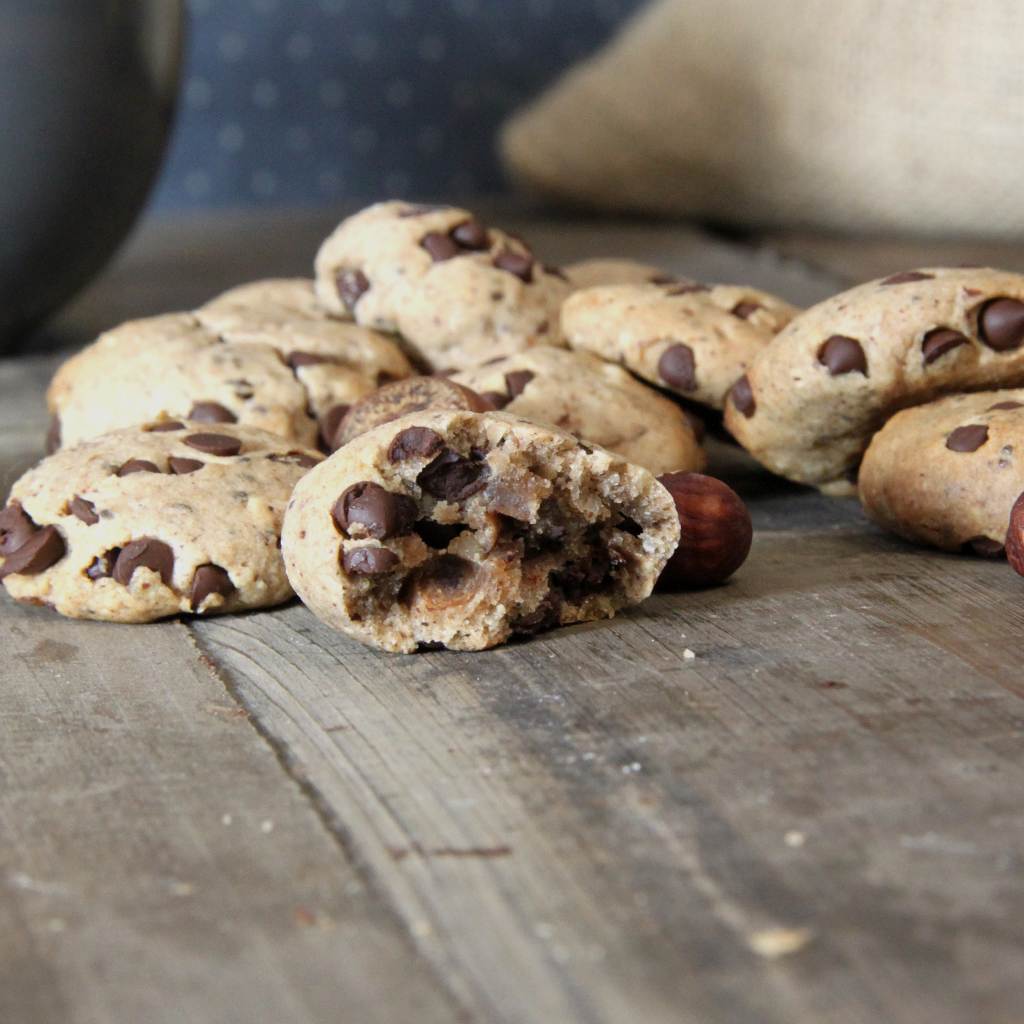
x=382, y=513
x=415, y=442
x=44, y=548
x=16, y=528
x=138, y=466
x=907, y=277
x=211, y=412
x=53, y=435
x=516, y=263
x=440, y=246
x=102, y=565
x=329, y=424
x=743, y=397
x=454, y=477
x=516, y=381
x=967, y=439
x=471, y=234
x=297, y=359
x=987, y=547
x=840, y=354
x=162, y=428
x=1005, y=405
x=1001, y=324
x=181, y=467
x=438, y=535
x=676, y=367
x=84, y=510
x=744, y=310
x=214, y=444
x=498, y=400
x=579, y=578
x=449, y=572
x=304, y=459
x=352, y=284
x=209, y=579
x=940, y=341
x=369, y=561
x=145, y=552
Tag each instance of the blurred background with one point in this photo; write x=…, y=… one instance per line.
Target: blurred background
x=312, y=102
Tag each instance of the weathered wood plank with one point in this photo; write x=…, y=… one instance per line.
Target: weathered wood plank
x=592, y=827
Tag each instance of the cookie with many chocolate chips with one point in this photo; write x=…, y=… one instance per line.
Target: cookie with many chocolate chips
x=810, y=402
x=947, y=473
x=462, y=529
x=594, y=400
x=693, y=339
x=152, y=521
x=458, y=292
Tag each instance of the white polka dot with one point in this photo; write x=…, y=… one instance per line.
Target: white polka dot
x=429, y=138
x=464, y=95
x=231, y=46
x=364, y=140
x=264, y=93
x=399, y=8
x=197, y=183
x=299, y=47
x=198, y=92
x=396, y=184
x=365, y=47
x=231, y=138
x=264, y=183
x=431, y=48
x=398, y=93
x=332, y=93
x=329, y=182
x=330, y=7
x=297, y=138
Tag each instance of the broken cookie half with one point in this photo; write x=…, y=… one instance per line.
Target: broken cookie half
x=461, y=529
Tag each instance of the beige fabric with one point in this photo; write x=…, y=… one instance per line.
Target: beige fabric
x=860, y=115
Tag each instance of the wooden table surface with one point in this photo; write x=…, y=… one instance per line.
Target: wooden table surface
x=254, y=820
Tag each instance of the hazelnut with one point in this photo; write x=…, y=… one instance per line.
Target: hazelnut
x=716, y=531
x=1015, y=537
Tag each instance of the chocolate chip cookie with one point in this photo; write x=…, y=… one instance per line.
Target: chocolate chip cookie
x=458, y=292
x=593, y=400
x=810, y=402
x=947, y=473
x=461, y=529
x=603, y=271
x=693, y=339
x=152, y=521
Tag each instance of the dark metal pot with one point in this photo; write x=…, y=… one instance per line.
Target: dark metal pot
x=86, y=95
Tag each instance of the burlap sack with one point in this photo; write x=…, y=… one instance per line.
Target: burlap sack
x=859, y=115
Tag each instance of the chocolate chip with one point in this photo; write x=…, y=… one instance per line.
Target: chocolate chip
x=214, y=444
x=138, y=466
x=840, y=354
x=516, y=381
x=44, y=548
x=906, y=278
x=744, y=310
x=329, y=424
x=454, y=477
x=352, y=284
x=102, y=565
x=182, y=467
x=449, y=572
x=440, y=246
x=211, y=412
x=161, y=428
x=438, y=535
x=1005, y=405
x=743, y=397
x=987, y=547
x=676, y=367
x=498, y=400
x=369, y=561
x=16, y=528
x=304, y=459
x=148, y=552
x=1001, y=324
x=471, y=234
x=662, y=279
x=382, y=513
x=688, y=288
x=967, y=439
x=297, y=359
x=516, y=263
x=209, y=579
x=940, y=341
x=53, y=435
x=415, y=442
x=84, y=510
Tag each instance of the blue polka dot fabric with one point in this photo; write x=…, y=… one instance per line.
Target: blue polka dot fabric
x=306, y=102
